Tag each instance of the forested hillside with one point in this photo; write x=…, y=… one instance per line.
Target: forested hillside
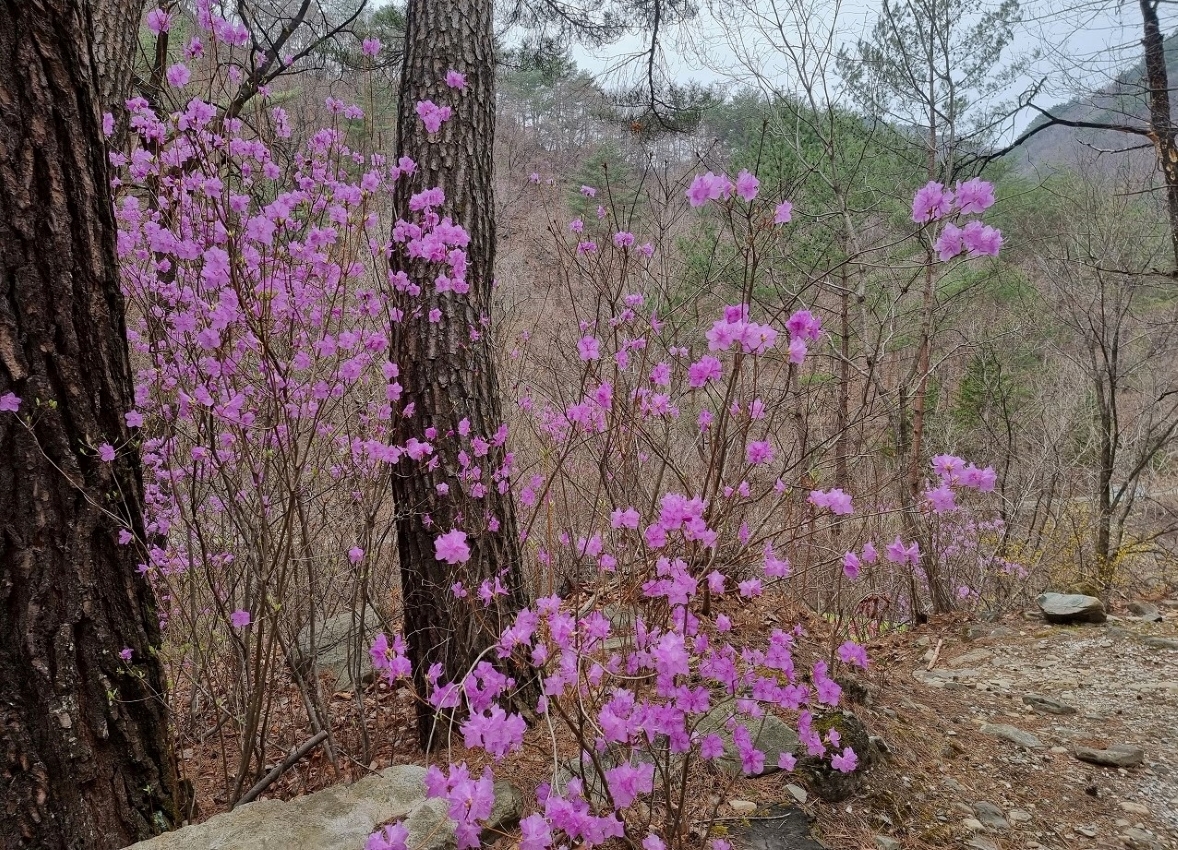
x=563, y=460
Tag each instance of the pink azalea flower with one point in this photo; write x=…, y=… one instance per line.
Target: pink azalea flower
x=240, y=618
x=177, y=75
x=452, y=547
x=589, y=348
x=932, y=201
x=9, y=403
x=455, y=80
x=747, y=185
x=158, y=21
x=974, y=196
x=783, y=213
x=846, y=762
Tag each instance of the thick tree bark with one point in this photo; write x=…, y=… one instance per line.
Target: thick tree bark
x=448, y=367
x=115, y=24
x=1161, y=125
x=84, y=753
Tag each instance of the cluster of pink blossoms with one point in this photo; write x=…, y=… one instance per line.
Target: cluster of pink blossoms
x=718, y=187
x=934, y=202
x=955, y=472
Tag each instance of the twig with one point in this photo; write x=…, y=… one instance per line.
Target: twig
x=932, y=662
x=292, y=757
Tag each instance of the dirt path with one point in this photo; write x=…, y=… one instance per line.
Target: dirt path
x=972, y=764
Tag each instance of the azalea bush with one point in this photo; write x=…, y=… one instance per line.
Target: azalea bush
x=665, y=489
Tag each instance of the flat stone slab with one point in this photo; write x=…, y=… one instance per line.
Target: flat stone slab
x=1121, y=755
x=337, y=818
x=1047, y=705
x=776, y=827
x=1012, y=734
x=1161, y=642
x=1066, y=608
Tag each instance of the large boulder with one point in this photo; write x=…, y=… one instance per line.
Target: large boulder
x=770, y=734
x=338, y=818
x=830, y=784
x=1064, y=608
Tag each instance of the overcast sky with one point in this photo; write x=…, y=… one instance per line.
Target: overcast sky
x=1081, y=46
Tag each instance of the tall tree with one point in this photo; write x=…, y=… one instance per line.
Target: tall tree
x=85, y=760
x=931, y=68
x=448, y=366
x=1158, y=127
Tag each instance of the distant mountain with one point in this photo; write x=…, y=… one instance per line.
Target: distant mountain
x=1124, y=101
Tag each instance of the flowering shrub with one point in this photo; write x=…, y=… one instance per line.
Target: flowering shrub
x=262, y=312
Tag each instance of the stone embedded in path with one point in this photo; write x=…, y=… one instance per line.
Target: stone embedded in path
x=990, y=815
x=1121, y=755
x=971, y=658
x=1047, y=705
x=1145, y=611
x=1066, y=608
x=776, y=827
x=1012, y=734
x=1139, y=839
x=1161, y=642
x=1135, y=808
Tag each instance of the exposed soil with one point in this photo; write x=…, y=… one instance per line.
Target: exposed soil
x=927, y=695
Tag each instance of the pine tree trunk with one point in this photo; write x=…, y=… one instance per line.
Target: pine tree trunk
x=448, y=367
x=1161, y=123
x=85, y=760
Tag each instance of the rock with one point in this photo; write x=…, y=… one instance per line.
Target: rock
x=798, y=793
x=1047, y=705
x=1066, y=608
x=1145, y=611
x=1135, y=808
x=990, y=815
x=742, y=807
x=1084, y=587
x=339, y=646
x=971, y=658
x=878, y=749
x=1139, y=839
x=780, y=827
x=1120, y=755
x=576, y=768
x=1160, y=642
x=505, y=814
x=1012, y=734
x=1018, y=816
x=338, y=818
x=830, y=784
x=884, y=842
x=430, y=827
x=1087, y=831
x=979, y=843
x=770, y=735
x=973, y=824
x=972, y=631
